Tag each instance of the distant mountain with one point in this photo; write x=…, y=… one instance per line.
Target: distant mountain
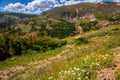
x=18, y=15
x=62, y=21
x=7, y=18
x=83, y=9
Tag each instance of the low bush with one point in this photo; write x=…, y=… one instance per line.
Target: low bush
x=81, y=40
x=12, y=46
x=117, y=75
x=43, y=44
x=88, y=26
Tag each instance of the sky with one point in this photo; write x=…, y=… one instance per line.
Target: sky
x=39, y=6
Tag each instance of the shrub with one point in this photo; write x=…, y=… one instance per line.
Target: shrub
x=117, y=75
x=59, y=29
x=43, y=44
x=4, y=48
x=81, y=40
x=91, y=25
x=15, y=45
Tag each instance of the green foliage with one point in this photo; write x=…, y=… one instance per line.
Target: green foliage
x=10, y=47
x=114, y=18
x=77, y=63
x=81, y=40
x=91, y=25
x=117, y=75
x=14, y=45
x=58, y=28
x=46, y=43
x=103, y=16
x=114, y=44
x=4, y=48
x=61, y=29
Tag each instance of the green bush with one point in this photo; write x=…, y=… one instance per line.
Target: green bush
x=117, y=75
x=91, y=25
x=4, y=48
x=15, y=45
x=81, y=40
x=61, y=29
x=44, y=44
x=115, y=43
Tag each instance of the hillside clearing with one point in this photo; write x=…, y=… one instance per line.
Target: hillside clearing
x=71, y=62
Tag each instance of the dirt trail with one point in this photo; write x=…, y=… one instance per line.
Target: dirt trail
x=11, y=71
x=109, y=73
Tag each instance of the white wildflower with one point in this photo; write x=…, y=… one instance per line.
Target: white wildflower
x=62, y=71
x=93, y=63
x=87, y=73
x=75, y=68
x=73, y=73
x=79, y=78
x=78, y=69
x=82, y=70
x=65, y=72
x=68, y=72
x=86, y=77
x=50, y=78
x=104, y=57
x=59, y=73
x=97, y=64
x=79, y=74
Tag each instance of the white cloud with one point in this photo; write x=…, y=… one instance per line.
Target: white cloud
x=34, y=6
x=37, y=4
x=116, y=0
x=17, y=7
x=94, y=1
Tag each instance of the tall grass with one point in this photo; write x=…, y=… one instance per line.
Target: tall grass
x=117, y=75
x=79, y=62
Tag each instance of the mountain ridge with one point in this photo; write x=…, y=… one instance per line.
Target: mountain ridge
x=65, y=18
x=80, y=10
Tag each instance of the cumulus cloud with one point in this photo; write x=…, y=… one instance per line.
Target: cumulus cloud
x=17, y=7
x=32, y=7
x=38, y=6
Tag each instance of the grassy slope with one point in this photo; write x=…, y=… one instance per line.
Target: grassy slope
x=75, y=62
